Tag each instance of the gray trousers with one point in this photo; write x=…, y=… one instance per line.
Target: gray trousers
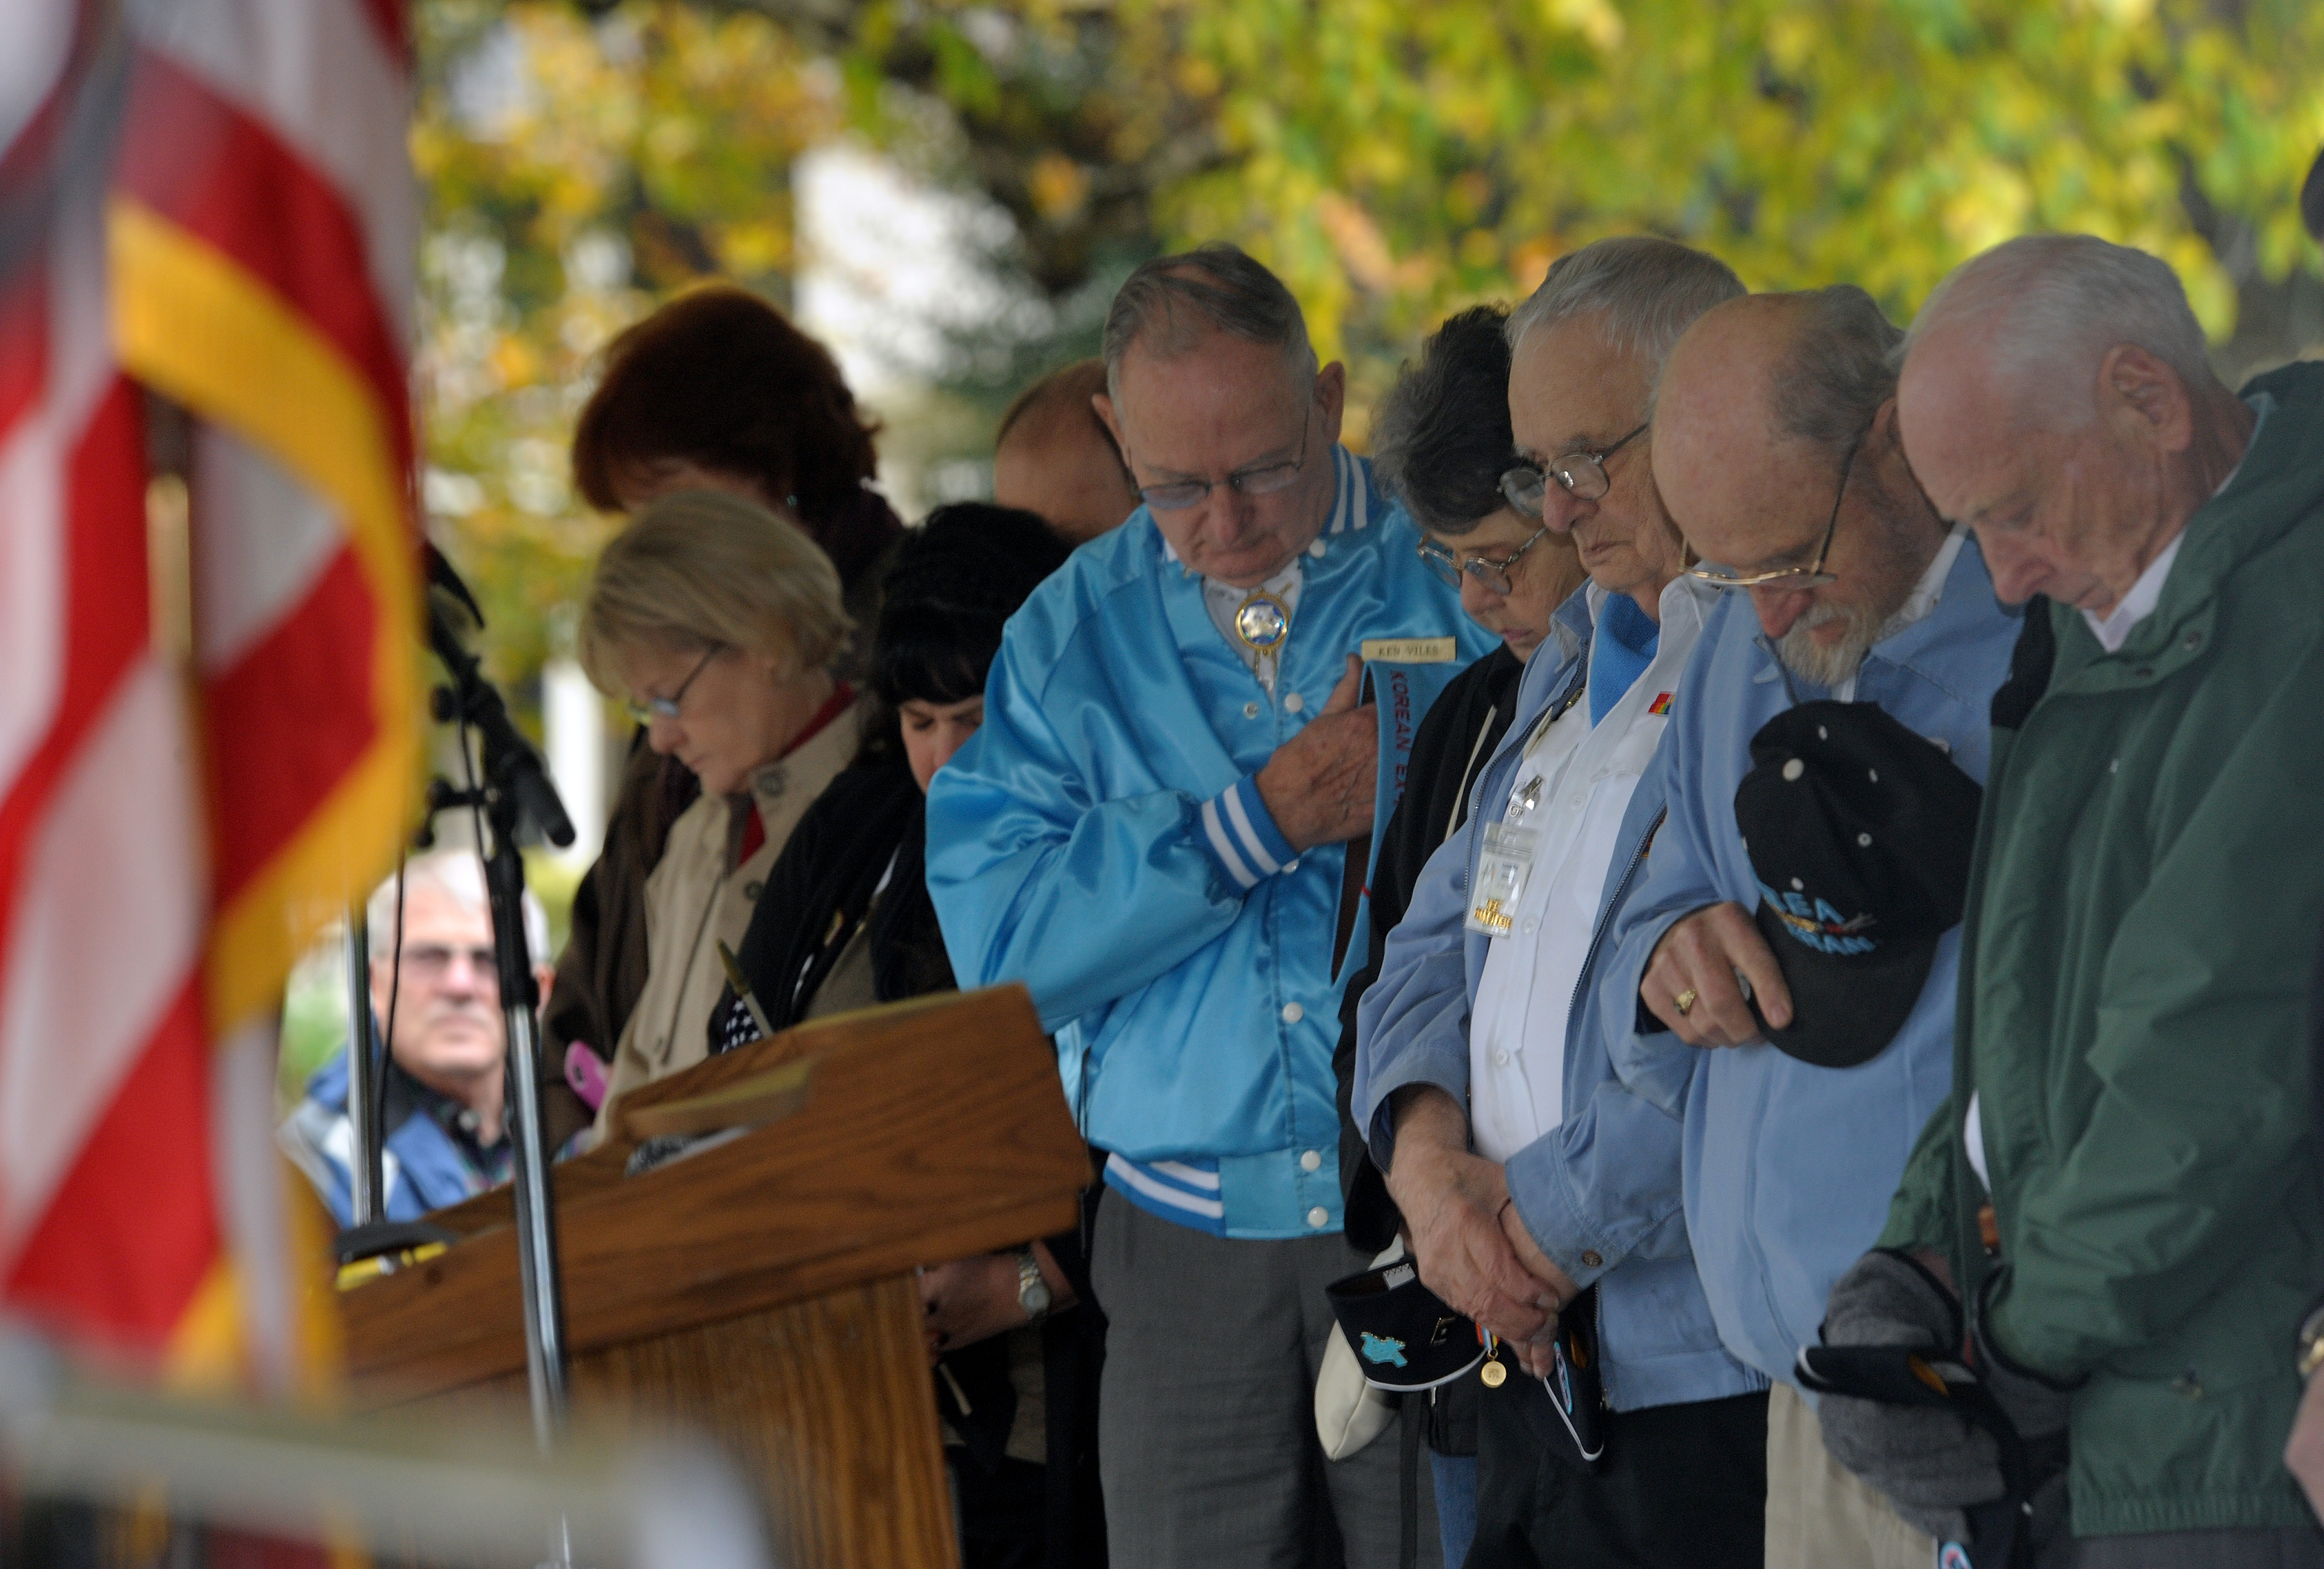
x=1206, y=1414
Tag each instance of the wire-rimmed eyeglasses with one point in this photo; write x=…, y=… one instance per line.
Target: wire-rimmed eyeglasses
x=645, y=711
x=1494, y=574
x=1265, y=479
x=1582, y=473
x=1791, y=580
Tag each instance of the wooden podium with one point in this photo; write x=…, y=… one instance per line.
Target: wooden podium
x=760, y=1291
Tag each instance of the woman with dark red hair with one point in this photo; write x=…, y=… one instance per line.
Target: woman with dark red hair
x=715, y=390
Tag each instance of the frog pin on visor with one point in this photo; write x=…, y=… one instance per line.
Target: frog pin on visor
x=1405, y=1337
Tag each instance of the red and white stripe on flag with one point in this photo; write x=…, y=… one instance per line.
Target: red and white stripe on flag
x=242, y=244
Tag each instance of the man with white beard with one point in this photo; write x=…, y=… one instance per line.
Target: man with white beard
x=1855, y=617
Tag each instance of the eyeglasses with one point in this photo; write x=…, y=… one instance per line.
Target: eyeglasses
x=433, y=962
x=1265, y=479
x=667, y=708
x=1792, y=580
x=1494, y=574
x=1581, y=473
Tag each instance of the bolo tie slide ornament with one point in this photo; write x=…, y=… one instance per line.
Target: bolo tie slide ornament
x=1263, y=622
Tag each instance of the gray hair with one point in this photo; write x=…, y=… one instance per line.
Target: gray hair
x=1215, y=287
x=459, y=876
x=1839, y=370
x=1645, y=291
x=2059, y=303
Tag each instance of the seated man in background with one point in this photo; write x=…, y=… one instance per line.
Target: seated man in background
x=2130, y=1078
x=1147, y=832
x=1849, y=599
x=446, y=1138
x=1055, y=457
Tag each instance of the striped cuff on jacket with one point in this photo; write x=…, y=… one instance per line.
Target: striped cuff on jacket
x=1241, y=835
x=1184, y=1191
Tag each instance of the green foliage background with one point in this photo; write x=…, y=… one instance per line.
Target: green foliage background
x=1394, y=161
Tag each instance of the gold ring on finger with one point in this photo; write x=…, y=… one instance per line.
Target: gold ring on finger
x=1684, y=1001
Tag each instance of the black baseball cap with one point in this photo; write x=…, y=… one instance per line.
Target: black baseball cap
x=1859, y=834
x=1405, y=1337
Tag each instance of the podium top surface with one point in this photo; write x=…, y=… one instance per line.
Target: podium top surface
x=930, y=1131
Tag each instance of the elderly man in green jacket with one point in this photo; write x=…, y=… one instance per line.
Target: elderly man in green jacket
x=2117, y=1209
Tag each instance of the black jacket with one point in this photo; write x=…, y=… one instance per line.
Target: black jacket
x=1456, y=740
x=867, y=830
x=1457, y=737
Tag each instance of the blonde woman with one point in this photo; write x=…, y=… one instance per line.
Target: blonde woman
x=716, y=621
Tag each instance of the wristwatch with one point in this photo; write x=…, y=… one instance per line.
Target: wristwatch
x=2311, y=1341
x=1032, y=1291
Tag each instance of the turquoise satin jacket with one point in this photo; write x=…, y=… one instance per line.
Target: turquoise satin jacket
x=1102, y=840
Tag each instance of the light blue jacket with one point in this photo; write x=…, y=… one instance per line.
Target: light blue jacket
x=1102, y=839
x=1600, y=1194
x=1789, y=1167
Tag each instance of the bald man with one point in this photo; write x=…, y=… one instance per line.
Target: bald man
x=2131, y=1108
x=1055, y=456
x=1776, y=451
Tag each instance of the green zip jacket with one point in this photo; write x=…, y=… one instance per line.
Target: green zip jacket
x=2145, y=902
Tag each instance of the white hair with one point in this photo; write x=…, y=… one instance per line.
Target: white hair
x=459, y=876
x=2058, y=305
x=1646, y=291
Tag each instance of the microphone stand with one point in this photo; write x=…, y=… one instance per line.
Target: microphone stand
x=515, y=805
x=518, y=804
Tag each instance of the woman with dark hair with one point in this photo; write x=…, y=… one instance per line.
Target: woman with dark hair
x=846, y=922
x=1442, y=444
x=714, y=391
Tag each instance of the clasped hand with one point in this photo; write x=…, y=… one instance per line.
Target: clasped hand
x=1472, y=1249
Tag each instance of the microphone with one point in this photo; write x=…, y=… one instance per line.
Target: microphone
x=510, y=760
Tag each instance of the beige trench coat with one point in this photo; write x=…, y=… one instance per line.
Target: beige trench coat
x=696, y=899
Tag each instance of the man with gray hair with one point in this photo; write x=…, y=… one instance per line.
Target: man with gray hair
x=1148, y=833
x=1855, y=627
x=2120, y=1197
x=434, y=995
x=1527, y=1174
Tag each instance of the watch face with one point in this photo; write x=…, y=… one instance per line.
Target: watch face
x=1032, y=1291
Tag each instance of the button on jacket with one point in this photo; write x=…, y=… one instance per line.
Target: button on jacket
x=1103, y=840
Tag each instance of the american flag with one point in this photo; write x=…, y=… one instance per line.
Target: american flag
x=206, y=206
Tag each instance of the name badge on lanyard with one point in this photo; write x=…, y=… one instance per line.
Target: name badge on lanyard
x=1505, y=859
x=1502, y=868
